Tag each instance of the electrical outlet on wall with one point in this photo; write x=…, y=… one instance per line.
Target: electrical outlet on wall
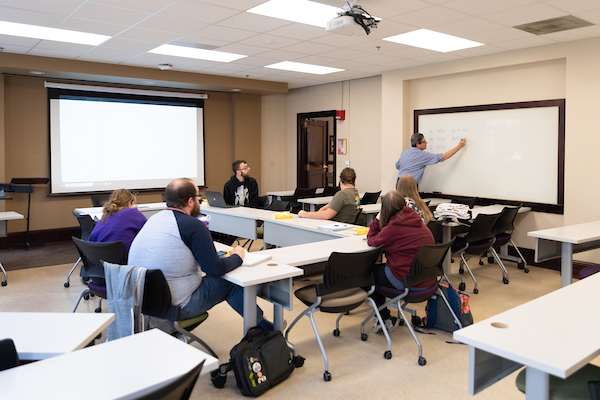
x=347, y=163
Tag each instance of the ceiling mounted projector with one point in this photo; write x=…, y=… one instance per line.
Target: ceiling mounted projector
x=353, y=20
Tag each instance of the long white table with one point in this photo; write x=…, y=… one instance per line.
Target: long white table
x=4, y=217
x=288, y=193
x=271, y=280
x=535, y=335
x=313, y=202
x=148, y=209
x=121, y=369
x=38, y=336
x=236, y=221
x=563, y=242
x=294, y=231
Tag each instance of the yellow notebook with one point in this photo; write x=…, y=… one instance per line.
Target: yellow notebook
x=359, y=230
x=282, y=215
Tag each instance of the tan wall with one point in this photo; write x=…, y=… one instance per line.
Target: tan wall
x=26, y=148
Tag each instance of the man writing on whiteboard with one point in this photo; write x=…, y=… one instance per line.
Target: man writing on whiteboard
x=413, y=161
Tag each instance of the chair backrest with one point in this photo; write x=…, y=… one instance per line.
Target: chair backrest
x=506, y=221
x=428, y=263
x=437, y=230
x=179, y=389
x=348, y=270
x=86, y=223
x=163, y=196
x=360, y=210
x=470, y=201
x=156, y=301
x=9, y=357
x=370, y=198
x=279, y=205
x=264, y=202
x=330, y=190
x=304, y=193
x=98, y=200
x=93, y=253
x=482, y=228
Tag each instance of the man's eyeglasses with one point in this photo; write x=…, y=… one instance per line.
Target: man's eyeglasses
x=244, y=169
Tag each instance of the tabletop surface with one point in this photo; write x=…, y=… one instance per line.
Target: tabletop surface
x=9, y=215
x=133, y=365
x=39, y=335
x=576, y=234
x=555, y=333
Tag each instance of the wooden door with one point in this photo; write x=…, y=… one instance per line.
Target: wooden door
x=317, y=153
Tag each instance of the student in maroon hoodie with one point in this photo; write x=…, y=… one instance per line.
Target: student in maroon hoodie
x=401, y=232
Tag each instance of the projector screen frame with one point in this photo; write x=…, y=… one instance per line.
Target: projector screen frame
x=554, y=208
x=133, y=96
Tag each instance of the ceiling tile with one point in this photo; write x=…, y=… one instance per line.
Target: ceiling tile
x=282, y=55
x=499, y=35
x=220, y=33
x=575, y=34
x=193, y=10
x=63, y=7
x=269, y=41
x=347, y=53
x=483, y=7
x=532, y=41
x=113, y=15
x=101, y=28
x=253, y=22
x=168, y=24
x=241, y=5
x=430, y=17
x=387, y=9
x=574, y=6
x=525, y=14
x=590, y=16
x=30, y=17
x=105, y=54
x=127, y=44
x=18, y=41
x=310, y=48
x=149, y=35
x=148, y=6
x=299, y=31
x=468, y=26
x=242, y=49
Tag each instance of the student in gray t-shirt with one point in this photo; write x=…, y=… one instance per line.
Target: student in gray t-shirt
x=345, y=203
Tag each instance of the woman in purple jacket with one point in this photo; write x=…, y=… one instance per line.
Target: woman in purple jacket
x=121, y=220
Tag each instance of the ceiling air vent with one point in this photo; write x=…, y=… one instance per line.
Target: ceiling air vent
x=553, y=25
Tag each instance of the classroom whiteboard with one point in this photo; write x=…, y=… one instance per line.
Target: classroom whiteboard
x=514, y=152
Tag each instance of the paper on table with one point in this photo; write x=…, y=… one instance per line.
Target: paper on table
x=251, y=259
x=335, y=227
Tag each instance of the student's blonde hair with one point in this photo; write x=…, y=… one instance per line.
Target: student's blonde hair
x=119, y=199
x=407, y=186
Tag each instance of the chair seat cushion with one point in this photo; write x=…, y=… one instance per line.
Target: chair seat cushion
x=502, y=239
x=589, y=270
x=573, y=388
x=192, y=323
x=97, y=290
x=335, y=302
x=413, y=296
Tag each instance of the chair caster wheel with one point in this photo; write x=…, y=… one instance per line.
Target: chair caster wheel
x=490, y=260
x=4, y=283
x=505, y=280
x=422, y=361
x=298, y=361
x=400, y=322
x=452, y=260
x=98, y=310
x=462, y=286
x=387, y=355
x=526, y=270
x=86, y=297
x=336, y=332
x=416, y=320
x=461, y=270
x=521, y=265
x=480, y=262
x=475, y=291
x=364, y=337
x=92, y=294
x=327, y=376
x=67, y=284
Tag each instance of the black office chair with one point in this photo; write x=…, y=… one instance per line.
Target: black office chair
x=98, y=200
x=370, y=198
x=92, y=270
x=437, y=230
x=157, y=303
x=470, y=201
x=163, y=197
x=329, y=191
x=87, y=224
x=342, y=290
x=479, y=240
x=503, y=230
x=9, y=357
x=299, y=193
x=427, y=265
x=358, y=214
x=264, y=202
x=581, y=385
x=178, y=389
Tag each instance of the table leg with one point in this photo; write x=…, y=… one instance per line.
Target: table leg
x=277, y=317
x=537, y=384
x=312, y=207
x=566, y=264
x=446, y=232
x=249, y=307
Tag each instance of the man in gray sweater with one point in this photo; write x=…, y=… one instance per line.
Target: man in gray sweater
x=180, y=245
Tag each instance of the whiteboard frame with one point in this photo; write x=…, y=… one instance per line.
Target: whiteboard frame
x=555, y=208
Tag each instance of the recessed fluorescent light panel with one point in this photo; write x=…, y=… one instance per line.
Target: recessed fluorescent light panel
x=301, y=11
x=200, y=54
x=430, y=40
x=305, y=68
x=44, y=33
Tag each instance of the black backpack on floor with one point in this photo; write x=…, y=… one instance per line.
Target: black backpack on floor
x=259, y=361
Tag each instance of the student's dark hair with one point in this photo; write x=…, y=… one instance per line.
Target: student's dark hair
x=391, y=204
x=416, y=138
x=179, y=192
x=348, y=176
x=236, y=165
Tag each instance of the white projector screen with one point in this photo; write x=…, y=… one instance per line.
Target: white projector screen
x=105, y=141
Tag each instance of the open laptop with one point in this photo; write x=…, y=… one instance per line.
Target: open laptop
x=215, y=199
